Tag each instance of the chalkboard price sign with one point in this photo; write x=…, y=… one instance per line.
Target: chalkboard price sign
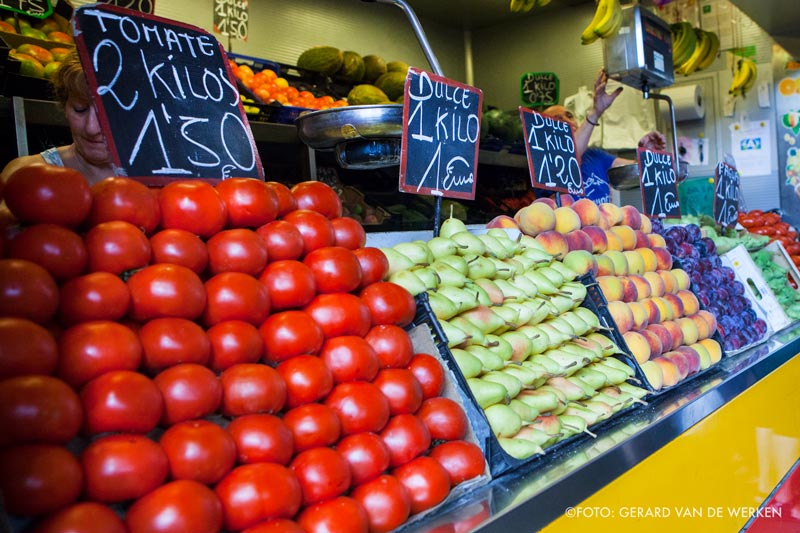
x=231, y=18
x=726, y=194
x=441, y=132
x=165, y=97
x=40, y=9
x=539, y=89
x=145, y=6
x=659, y=184
x=550, y=145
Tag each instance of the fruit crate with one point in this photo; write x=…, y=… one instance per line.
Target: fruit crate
x=12, y=83
x=499, y=460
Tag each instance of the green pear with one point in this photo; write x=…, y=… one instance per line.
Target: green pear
x=520, y=344
x=427, y=276
x=524, y=312
x=540, y=340
x=591, y=377
x=496, y=296
x=557, y=335
x=480, y=293
x=455, y=336
x=542, y=282
x=575, y=291
x=603, y=410
x=581, y=351
x=572, y=391
x=525, y=411
x=512, y=384
x=397, y=261
x=615, y=363
x=479, y=266
x=463, y=299
x=469, y=365
x=416, y=251
x=448, y=275
x=541, y=310
x=550, y=424
x=484, y=318
x=588, y=316
x=489, y=359
x=474, y=334
x=500, y=346
x=578, y=324
x=527, y=376
x=574, y=424
x=442, y=247
x=561, y=304
x=520, y=449
x=576, y=409
x=528, y=287
x=609, y=346
x=510, y=316
x=443, y=308
x=535, y=436
x=450, y=226
x=569, y=363
x=633, y=390
x=468, y=243
x=537, y=255
x=502, y=269
x=517, y=267
x=493, y=247
x=409, y=281
x=458, y=262
x=504, y=421
x=617, y=403
x=552, y=274
x=487, y=393
x=561, y=324
x=588, y=344
x=503, y=236
x=510, y=290
x=538, y=369
x=567, y=273
x=552, y=367
x=542, y=401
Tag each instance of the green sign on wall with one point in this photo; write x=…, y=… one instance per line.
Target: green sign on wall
x=539, y=89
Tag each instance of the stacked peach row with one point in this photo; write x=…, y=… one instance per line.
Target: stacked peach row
x=651, y=302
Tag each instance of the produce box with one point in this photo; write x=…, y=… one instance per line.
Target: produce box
x=756, y=289
x=16, y=84
x=781, y=275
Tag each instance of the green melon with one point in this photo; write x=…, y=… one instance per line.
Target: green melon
x=325, y=59
x=374, y=67
x=366, y=94
x=392, y=83
x=397, y=66
x=352, y=66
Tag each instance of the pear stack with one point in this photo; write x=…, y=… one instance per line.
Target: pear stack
x=536, y=362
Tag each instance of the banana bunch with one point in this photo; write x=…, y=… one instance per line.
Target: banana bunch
x=605, y=23
x=523, y=6
x=744, y=77
x=693, y=49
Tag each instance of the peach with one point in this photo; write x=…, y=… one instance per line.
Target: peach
x=578, y=240
x=598, y=237
x=611, y=213
x=670, y=283
x=535, y=218
x=545, y=200
x=603, y=223
x=626, y=234
x=566, y=199
x=643, y=288
x=657, y=286
x=553, y=243
x=676, y=332
x=653, y=311
x=653, y=374
x=635, y=262
x=631, y=216
x=663, y=258
x=588, y=211
x=641, y=239
x=714, y=349
x=656, y=240
x=646, y=225
x=581, y=262
x=703, y=330
x=710, y=319
x=650, y=259
x=654, y=341
x=692, y=356
x=682, y=280
x=622, y=315
x=502, y=221
x=566, y=219
x=689, y=329
x=680, y=360
x=664, y=308
x=611, y=287
x=629, y=292
x=604, y=265
x=702, y=352
x=637, y=345
x=663, y=335
x=669, y=370
x=640, y=315
x=619, y=261
x=614, y=241
x=690, y=303
x=676, y=303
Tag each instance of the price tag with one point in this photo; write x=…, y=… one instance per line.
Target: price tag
x=231, y=18
x=552, y=161
x=165, y=97
x=659, y=184
x=726, y=194
x=441, y=132
x=40, y=9
x=145, y=6
x=539, y=89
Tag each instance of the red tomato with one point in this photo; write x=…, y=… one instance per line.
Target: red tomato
x=26, y=348
x=252, y=388
x=198, y=450
x=122, y=467
x=235, y=296
x=319, y=197
x=121, y=198
x=83, y=517
x=350, y=358
x=276, y=525
x=386, y=501
x=257, y=492
x=463, y=460
x=283, y=240
x=335, y=269
x=290, y=333
x=426, y=481
x=313, y=425
x=121, y=400
x=290, y=284
x=793, y=248
x=406, y=437
x=171, y=341
x=165, y=290
x=261, y=439
x=322, y=472
x=392, y=345
x=250, y=202
x=48, y=194
x=38, y=409
x=430, y=374
x=232, y=342
x=374, y=265
x=190, y=391
x=58, y=249
x=95, y=296
x=182, y=506
x=360, y=406
x=796, y=260
x=179, y=247
x=315, y=228
x=307, y=379
x=389, y=303
x=37, y=479
x=90, y=349
x=348, y=233
x=27, y=291
x=401, y=388
x=237, y=250
x=116, y=247
x=340, y=313
x=367, y=455
x=194, y=206
x=286, y=202
x=338, y=514
x=444, y=418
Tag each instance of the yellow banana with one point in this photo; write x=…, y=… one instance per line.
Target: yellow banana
x=542, y=3
x=711, y=55
x=751, y=80
x=700, y=50
x=610, y=22
x=684, y=43
x=588, y=35
x=744, y=77
x=528, y=5
x=516, y=5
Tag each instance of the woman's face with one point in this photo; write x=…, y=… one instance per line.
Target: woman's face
x=561, y=112
x=86, y=133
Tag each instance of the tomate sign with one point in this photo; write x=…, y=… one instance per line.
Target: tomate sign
x=441, y=129
x=165, y=97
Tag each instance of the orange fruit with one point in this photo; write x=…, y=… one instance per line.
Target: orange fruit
x=786, y=86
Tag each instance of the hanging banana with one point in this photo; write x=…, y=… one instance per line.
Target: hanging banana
x=684, y=42
x=700, y=50
x=713, y=50
x=516, y=5
x=744, y=77
x=609, y=25
x=588, y=35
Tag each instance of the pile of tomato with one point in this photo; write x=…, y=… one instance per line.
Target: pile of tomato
x=269, y=88
x=772, y=225
x=207, y=357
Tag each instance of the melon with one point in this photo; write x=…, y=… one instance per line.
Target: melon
x=366, y=94
x=352, y=66
x=374, y=67
x=392, y=83
x=325, y=59
x=397, y=66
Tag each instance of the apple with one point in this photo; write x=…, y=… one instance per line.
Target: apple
x=587, y=211
x=598, y=237
x=567, y=219
x=637, y=345
x=536, y=218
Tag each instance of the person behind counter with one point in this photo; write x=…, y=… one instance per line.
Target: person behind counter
x=595, y=162
x=88, y=153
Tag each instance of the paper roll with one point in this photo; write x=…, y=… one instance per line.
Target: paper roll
x=688, y=102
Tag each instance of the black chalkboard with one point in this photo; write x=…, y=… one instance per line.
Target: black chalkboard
x=726, y=194
x=144, y=6
x=39, y=9
x=165, y=97
x=231, y=18
x=539, y=89
x=659, y=184
x=441, y=132
x=550, y=145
